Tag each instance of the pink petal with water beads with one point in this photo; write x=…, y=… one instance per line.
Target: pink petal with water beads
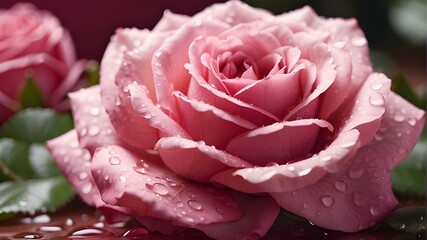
x=74, y=163
x=91, y=122
x=148, y=188
x=196, y=160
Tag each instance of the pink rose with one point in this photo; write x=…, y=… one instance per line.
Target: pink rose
x=33, y=45
x=247, y=113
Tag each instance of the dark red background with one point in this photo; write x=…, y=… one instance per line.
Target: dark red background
x=92, y=22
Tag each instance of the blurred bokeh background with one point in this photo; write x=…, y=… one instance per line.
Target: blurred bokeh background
x=396, y=29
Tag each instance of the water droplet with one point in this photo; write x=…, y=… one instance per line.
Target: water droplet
x=83, y=175
x=87, y=187
x=401, y=226
x=355, y=173
x=106, y=177
x=374, y=211
x=305, y=205
x=326, y=158
x=398, y=118
x=136, y=232
x=94, y=111
x=340, y=186
x=272, y=164
x=118, y=101
x=377, y=100
x=376, y=86
x=158, y=54
x=198, y=22
x=158, y=188
x=69, y=222
x=87, y=232
x=148, y=116
x=179, y=204
x=28, y=235
x=358, y=199
x=358, y=41
x=22, y=203
x=328, y=201
x=122, y=179
x=412, y=122
x=340, y=44
x=304, y=172
x=114, y=160
x=188, y=219
x=50, y=228
x=94, y=130
x=194, y=205
x=291, y=168
x=44, y=218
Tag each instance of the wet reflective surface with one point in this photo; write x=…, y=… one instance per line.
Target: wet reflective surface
x=78, y=221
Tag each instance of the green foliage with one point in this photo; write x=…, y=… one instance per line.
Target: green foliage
x=401, y=86
x=409, y=177
x=408, y=219
x=29, y=179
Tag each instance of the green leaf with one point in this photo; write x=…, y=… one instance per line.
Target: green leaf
x=14, y=159
x=408, y=219
x=29, y=179
x=36, y=125
x=401, y=86
x=31, y=95
x=409, y=177
x=33, y=195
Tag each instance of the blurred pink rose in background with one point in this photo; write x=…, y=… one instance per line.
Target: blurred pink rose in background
x=35, y=52
x=246, y=112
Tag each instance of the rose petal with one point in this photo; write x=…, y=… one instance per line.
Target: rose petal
x=153, y=115
x=285, y=178
x=195, y=115
x=115, y=98
x=401, y=126
x=278, y=143
x=319, y=54
x=171, y=21
x=366, y=109
x=248, y=227
x=91, y=122
x=157, y=191
x=8, y=107
x=196, y=160
x=276, y=94
x=168, y=68
x=233, y=13
x=342, y=201
x=74, y=163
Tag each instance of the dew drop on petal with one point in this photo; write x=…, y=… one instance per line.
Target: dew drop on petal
x=114, y=160
x=340, y=186
x=398, y=118
x=412, y=122
x=87, y=187
x=83, y=175
x=328, y=201
x=340, y=44
x=194, y=205
x=94, y=111
x=358, y=41
x=179, y=204
x=374, y=211
x=355, y=173
x=377, y=100
x=158, y=188
x=376, y=86
x=304, y=172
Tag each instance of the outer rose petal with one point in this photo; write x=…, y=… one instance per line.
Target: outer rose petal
x=170, y=21
x=114, y=96
x=341, y=200
x=196, y=160
x=7, y=107
x=400, y=128
x=233, y=13
x=127, y=181
x=91, y=122
x=74, y=163
x=279, y=143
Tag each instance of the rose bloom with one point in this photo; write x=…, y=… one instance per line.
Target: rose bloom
x=33, y=45
x=217, y=121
